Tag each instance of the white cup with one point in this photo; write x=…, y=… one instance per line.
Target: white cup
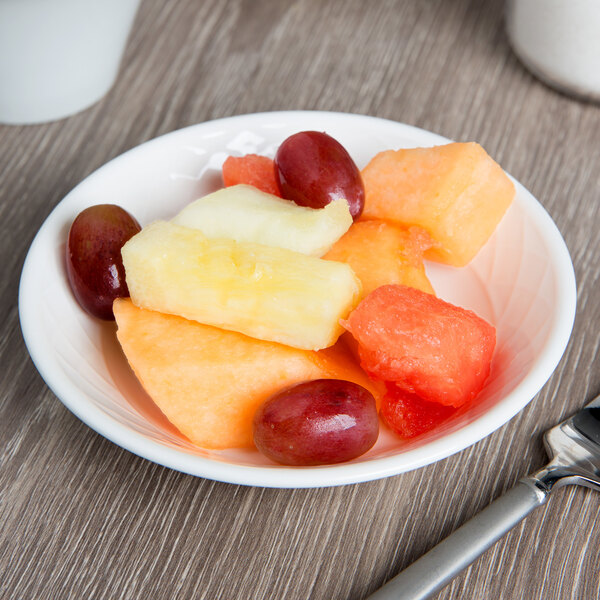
x=58, y=57
x=559, y=41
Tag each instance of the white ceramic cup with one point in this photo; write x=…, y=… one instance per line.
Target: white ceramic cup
x=559, y=41
x=58, y=57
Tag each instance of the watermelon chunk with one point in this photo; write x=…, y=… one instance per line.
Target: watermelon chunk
x=408, y=415
x=424, y=345
x=251, y=169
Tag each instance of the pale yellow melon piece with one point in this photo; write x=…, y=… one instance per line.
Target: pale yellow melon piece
x=456, y=192
x=264, y=292
x=381, y=253
x=245, y=214
x=209, y=382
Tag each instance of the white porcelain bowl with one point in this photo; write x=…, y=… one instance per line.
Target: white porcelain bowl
x=522, y=281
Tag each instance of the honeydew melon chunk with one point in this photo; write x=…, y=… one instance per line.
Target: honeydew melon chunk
x=261, y=291
x=246, y=214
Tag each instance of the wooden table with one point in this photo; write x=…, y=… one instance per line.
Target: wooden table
x=82, y=518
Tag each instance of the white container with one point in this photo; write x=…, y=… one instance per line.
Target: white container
x=58, y=57
x=559, y=41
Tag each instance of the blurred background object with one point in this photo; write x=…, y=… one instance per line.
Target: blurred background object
x=559, y=42
x=58, y=57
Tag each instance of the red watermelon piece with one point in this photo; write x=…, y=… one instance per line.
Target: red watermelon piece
x=251, y=169
x=424, y=345
x=408, y=415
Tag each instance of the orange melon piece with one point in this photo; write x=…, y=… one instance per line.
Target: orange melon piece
x=209, y=382
x=381, y=253
x=456, y=192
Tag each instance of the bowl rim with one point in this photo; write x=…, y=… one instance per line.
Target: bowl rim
x=307, y=477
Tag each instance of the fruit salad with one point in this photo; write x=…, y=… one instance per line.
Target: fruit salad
x=291, y=311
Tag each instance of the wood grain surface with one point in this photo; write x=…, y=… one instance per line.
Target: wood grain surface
x=81, y=518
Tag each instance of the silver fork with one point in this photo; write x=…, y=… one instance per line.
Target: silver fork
x=574, y=451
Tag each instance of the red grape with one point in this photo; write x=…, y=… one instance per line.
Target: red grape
x=313, y=169
x=94, y=264
x=318, y=422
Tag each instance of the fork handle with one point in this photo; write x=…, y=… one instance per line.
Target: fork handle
x=442, y=563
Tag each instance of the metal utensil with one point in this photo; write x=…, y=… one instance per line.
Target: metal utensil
x=574, y=451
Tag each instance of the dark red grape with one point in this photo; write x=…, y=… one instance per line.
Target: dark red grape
x=313, y=169
x=318, y=422
x=94, y=264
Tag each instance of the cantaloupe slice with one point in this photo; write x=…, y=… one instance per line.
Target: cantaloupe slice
x=456, y=192
x=381, y=253
x=209, y=382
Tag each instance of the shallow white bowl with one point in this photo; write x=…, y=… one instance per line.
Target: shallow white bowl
x=522, y=281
